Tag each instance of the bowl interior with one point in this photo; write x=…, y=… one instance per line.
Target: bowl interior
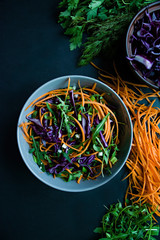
x=125, y=134
x=151, y=8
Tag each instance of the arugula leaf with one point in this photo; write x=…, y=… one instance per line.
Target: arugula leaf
x=66, y=156
x=37, y=153
x=31, y=150
x=49, y=108
x=84, y=170
x=37, y=156
x=46, y=157
x=99, y=127
x=70, y=176
x=63, y=107
x=97, y=148
x=130, y=222
x=98, y=230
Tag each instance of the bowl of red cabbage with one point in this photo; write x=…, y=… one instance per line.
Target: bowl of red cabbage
x=143, y=45
x=74, y=133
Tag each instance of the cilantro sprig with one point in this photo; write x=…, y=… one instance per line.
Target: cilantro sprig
x=103, y=22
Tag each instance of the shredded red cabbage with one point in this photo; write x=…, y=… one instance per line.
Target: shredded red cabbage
x=145, y=43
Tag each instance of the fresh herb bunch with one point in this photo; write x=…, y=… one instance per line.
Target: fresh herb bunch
x=102, y=21
x=132, y=222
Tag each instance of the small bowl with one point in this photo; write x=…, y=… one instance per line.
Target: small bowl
x=151, y=8
x=125, y=135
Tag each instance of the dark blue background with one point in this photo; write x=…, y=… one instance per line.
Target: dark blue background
x=34, y=50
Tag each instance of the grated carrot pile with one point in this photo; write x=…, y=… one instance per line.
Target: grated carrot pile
x=144, y=160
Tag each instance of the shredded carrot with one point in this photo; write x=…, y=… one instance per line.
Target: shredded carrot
x=76, y=155
x=144, y=159
x=99, y=160
x=79, y=179
x=82, y=96
x=69, y=80
x=62, y=141
x=68, y=170
x=94, y=86
x=51, y=145
x=77, y=164
x=81, y=128
x=30, y=113
x=97, y=173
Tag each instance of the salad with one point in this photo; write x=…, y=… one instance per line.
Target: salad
x=72, y=133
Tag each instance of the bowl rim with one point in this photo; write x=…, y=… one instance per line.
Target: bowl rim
x=37, y=175
x=147, y=81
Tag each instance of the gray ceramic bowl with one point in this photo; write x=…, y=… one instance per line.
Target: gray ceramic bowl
x=125, y=135
x=151, y=8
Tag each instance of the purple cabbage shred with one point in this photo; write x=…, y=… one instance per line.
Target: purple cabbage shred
x=145, y=44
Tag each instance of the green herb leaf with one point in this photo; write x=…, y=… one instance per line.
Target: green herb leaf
x=97, y=148
x=66, y=156
x=49, y=108
x=98, y=230
x=79, y=117
x=34, y=114
x=84, y=170
x=37, y=153
x=130, y=222
x=92, y=13
x=31, y=150
x=103, y=22
x=99, y=128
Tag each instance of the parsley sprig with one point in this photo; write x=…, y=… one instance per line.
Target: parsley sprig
x=103, y=22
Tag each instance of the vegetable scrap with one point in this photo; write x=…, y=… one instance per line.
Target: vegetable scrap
x=97, y=26
x=66, y=130
x=145, y=46
x=130, y=222
x=144, y=159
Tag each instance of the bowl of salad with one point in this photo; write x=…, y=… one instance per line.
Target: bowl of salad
x=143, y=45
x=74, y=133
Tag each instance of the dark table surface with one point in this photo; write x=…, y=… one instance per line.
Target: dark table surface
x=34, y=50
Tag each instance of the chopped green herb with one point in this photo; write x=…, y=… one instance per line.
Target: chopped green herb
x=79, y=117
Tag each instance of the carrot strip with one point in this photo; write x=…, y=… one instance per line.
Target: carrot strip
x=82, y=96
x=81, y=128
x=79, y=179
x=94, y=86
x=69, y=80
x=75, y=149
x=89, y=141
x=68, y=170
